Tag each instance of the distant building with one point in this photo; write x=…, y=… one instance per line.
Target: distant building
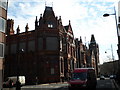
x=81, y=53
x=3, y=17
x=94, y=54
x=49, y=50
x=109, y=68
x=87, y=56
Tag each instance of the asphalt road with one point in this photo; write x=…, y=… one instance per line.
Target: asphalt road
x=107, y=84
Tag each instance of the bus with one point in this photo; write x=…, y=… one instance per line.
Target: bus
x=83, y=78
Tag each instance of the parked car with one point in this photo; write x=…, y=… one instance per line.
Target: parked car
x=11, y=81
x=8, y=83
x=102, y=77
x=112, y=76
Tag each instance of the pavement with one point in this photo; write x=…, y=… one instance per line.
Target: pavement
x=52, y=85
x=116, y=85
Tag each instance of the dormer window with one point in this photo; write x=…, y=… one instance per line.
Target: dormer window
x=50, y=25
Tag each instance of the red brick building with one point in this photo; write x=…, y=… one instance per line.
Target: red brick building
x=49, y=50
x=94, y=54
x=87, y=56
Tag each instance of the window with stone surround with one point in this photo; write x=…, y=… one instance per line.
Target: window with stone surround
x=3, y=4
x=13, y=48
x=40, y=43
x=52, y=43
x=1, y=50
x=31, y=46
x=22, y=46
x=2, y=24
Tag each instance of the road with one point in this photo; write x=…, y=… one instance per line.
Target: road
x=107, y=84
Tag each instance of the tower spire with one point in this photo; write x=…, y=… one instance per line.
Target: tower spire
x=92, y=38
x=80, y=39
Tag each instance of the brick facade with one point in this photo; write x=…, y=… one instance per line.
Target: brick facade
x=3, y=17
x=48, y=55
x=50, y=51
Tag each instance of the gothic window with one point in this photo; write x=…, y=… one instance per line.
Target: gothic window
x=2, y=24
x=52, y=71
x=22, y=46
x=1, y=50
x=40, y=43
x=13, y=48
x=51, y=43
x=60, y=45
x=61, y=63
x=31, y=46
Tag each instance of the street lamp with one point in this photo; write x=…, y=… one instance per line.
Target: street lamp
x=106, y=15
x=18, y=86
x=118, y=51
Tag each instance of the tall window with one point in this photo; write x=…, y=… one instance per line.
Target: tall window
x=3, y=4
x=61, y=45
x=1, y=50
x=22, y=46
x=2, y=24
x=40, y=43
x=52, y=43
x=13, y=48
x=31, y=46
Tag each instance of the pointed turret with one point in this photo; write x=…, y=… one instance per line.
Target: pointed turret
x=48, y=13
x=18, y=30
x=26, y=28
x=40, y=20
x=36, y=23
x=60, y=20
x=69, y=22
x=40, y=16
x=10, y=25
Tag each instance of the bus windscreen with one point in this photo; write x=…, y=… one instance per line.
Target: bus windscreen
x=79, y=75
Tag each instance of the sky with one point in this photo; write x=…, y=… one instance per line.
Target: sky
x=86, y=18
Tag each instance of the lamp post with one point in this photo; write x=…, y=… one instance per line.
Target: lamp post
x=18, y=86
x=118, y=51
x=106, y=15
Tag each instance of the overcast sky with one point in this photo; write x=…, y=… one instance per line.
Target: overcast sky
x=86, y=18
